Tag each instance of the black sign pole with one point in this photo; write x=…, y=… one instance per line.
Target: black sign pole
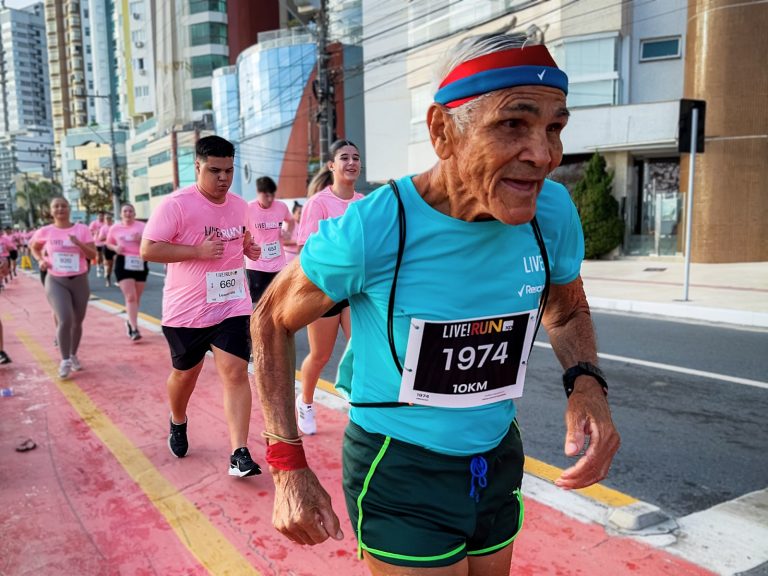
x=689, y=208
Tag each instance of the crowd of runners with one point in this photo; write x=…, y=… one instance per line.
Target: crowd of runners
x=426, y=268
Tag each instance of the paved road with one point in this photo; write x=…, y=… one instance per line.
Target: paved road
x=689, y=440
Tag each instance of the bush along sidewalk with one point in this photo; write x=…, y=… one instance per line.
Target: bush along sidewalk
x=598, y=209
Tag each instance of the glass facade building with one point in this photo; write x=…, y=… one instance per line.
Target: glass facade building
x=226, y=116
x=272, y=76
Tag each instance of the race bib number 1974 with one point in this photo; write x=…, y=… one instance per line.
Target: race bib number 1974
x=465, y=363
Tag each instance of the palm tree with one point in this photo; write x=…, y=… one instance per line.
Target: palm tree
x=36, y=197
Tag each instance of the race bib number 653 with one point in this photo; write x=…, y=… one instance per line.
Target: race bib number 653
x=465, y=363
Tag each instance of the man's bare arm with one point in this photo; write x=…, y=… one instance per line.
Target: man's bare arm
x=302, y=509
x=569, y=325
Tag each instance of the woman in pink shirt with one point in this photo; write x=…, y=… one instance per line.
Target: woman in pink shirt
x=330, y=202
x=63, y=249
x=290, y=236
x=109, y=255
x=265, y=219
x=124, y=239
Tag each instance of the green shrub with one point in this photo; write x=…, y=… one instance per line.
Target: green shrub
x=598, y=209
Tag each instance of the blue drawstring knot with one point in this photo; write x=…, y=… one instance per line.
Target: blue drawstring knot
x=479, y=467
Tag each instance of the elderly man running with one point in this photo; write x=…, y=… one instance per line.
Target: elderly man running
x=448, y=274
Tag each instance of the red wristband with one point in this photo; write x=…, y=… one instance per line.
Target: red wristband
x=285, y=456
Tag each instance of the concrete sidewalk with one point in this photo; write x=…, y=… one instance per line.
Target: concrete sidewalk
x=719, y=293
x=101, y=494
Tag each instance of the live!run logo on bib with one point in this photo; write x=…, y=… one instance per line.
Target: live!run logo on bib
x=469, y=362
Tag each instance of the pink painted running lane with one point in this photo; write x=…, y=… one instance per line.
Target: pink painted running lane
x=102, y=495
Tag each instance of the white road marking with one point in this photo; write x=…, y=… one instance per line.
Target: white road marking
x=672, y=368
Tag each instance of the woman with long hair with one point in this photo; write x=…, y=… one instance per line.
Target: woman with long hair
x=329, y=202
x=63, y=250
x=124, y=239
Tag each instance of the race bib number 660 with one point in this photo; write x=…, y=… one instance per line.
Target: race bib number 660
x=224, y=285
x=465, y=363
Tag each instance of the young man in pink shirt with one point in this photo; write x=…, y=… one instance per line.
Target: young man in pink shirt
x=265, y=221
x=200, y=232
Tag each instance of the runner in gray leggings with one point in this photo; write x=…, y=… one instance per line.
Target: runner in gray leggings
x=68, y=297
x=63, y=249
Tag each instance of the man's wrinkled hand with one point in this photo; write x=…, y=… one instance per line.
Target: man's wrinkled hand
x=588, y=420
x=303, y=511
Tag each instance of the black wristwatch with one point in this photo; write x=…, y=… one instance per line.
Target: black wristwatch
x=570, y=375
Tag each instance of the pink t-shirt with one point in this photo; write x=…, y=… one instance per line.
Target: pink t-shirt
x=323, y=205
x=266, y=226
x=60, y=253
x=102, y=234
x=128, y=238
x=6, y=244
x=201, y=293
x=95, y=229
x=292, y=250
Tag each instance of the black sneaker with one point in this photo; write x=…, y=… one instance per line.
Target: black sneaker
x=129, y=329
x=241, y=464
x=135, y=335
x=4, y=358
x=177, y=439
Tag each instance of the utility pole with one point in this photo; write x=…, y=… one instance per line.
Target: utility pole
x=322, y=84
x=116, y=196
x=115, y=184
x=29, y=202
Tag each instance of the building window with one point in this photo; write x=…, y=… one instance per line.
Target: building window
x=141, y=198
x=161, y=190
x=201, y=99
x=592, y=67
x=141, y=91
x=206, y=64
x=156, y=159
x=659, y=49
x=140, y=171
x=208, y=33
x=196, y=6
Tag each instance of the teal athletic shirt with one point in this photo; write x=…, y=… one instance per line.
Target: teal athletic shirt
x=451, y=270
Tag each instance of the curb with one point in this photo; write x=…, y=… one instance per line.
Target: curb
x=683, y=311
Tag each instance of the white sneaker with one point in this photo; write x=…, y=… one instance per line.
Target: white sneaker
x=306, y=418
x=65, y=368
x=76, y=367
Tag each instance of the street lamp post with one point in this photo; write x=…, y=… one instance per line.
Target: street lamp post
x=115, y=183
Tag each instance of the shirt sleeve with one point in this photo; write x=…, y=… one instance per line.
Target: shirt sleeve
x=163, y=224
x=312, y=214
x=333, y=258
x=84, y=235
x=570, y=250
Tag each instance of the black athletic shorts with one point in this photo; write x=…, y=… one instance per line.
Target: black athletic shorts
x=336, y=310
x=122, y=274
x=189, y=345
x=258, y=282
x=13, y=254
x=108, y=254
x=410, y=506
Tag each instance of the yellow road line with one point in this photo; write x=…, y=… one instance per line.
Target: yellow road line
x=607, y=496
x=121, y=308
x=194, y=530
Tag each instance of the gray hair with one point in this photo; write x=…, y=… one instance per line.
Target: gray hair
x=468, y=49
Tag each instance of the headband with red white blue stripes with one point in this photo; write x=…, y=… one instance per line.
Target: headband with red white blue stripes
x=528, y=66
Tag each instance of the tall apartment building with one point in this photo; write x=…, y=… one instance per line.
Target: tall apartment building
x=132, y=24
x=189, y=39
x=70, y=64
x=629, y=64
x=25, y=105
